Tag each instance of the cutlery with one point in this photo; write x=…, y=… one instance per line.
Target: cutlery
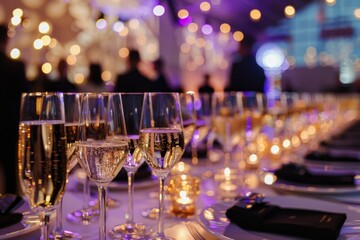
x=194, y=232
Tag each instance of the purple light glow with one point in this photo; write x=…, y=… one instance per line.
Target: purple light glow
x=207, y=29
x=185, y=21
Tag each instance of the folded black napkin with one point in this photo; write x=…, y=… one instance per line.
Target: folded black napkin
x=326, y=157
x=8, y=203
x=9, y=219
x=296, y=173
x=304, y=223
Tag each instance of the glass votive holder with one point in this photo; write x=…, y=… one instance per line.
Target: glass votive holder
x=184, y=191
x=228, y=183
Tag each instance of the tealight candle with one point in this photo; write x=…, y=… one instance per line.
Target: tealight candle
x=184, y=189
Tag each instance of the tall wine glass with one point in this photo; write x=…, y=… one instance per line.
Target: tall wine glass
x=161, y=140
x=253, y=110
x=228, y=122
x=132, y=106
x=202, y=105
x=72, y=105
x=100, y=155
x=42, y=155
x=188, y=111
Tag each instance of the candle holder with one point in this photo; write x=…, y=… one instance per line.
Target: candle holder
x=184, y=190
x=228, y=183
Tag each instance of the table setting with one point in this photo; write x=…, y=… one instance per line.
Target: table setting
x=315, y=196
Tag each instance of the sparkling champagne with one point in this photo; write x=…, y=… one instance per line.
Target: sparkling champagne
x=189, y=129
x=72, y=136
x=42, y=162
x=137, y=157
x=230, y=130
x=102, y=160
x=163, y=148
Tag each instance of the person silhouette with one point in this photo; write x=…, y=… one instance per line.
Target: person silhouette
x=205, y=87
x=133, y=80
x=245, y=73
x=94, y=82
x=161, y=81
x=62, y=83
x=13, y=83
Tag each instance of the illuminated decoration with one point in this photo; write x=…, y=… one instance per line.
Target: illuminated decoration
x=289, y=11
x=255, y=15
x=270, y=57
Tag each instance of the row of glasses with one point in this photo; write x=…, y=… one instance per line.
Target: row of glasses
x=102, y=147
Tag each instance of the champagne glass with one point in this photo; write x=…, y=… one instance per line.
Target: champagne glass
x=253, y=110
x=72, y=121
x=42, y=155
x=161, y=140
x=132, y=106
x=202, y=107
x=187, y=104
x=99, y=154
x=228, y=122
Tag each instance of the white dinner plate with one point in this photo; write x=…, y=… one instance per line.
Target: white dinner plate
x=79, y=175
x=269, y=179
x=213, y=218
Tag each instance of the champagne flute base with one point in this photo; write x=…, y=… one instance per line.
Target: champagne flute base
x=110, y=203
x=130, y=231
x=66, y=235
x=83, y=216
x=153, y=213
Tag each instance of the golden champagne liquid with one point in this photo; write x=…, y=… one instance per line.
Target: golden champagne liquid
x=42, y=162
x=162, y=147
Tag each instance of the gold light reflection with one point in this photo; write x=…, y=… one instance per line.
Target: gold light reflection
x=15, y=53
x=185, y=48
x=38, y=44
x=183, y=13
x=79, y=78
x=289, y=11
x=134, y=23
x=205, y=6
x=75, y=49
x=15, y=20
x=269, y=178
x=225, y=28
x=106, y=76
x=357, y=13
x=238, y=36
x=71, y=60
x=193, y=27
x=124, y=32
x=123, y=52
x=46, y=39
x=44, y=27
x=46, y=68
x=255, y=15
x=330, y=2
x=18, y=12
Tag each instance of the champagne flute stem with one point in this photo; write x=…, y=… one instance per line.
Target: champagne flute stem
x=45, y=226
x=102, y=219
x=227, y=155
x=86, y=193
x=160, y=228
x=194, y=154
x=130, y=213
x=58, y=223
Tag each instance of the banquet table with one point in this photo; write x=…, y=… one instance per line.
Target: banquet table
x=145, y=197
